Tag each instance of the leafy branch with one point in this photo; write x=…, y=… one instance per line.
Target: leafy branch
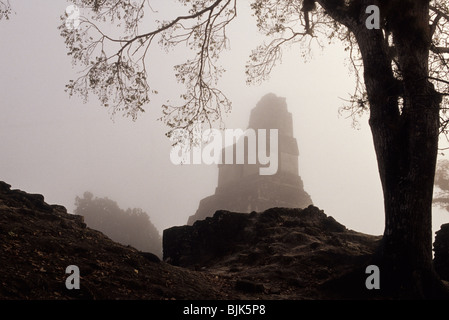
x=5, y=9
x=115, y=68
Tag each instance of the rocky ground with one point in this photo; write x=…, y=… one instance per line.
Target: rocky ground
x=279, y=254
x=39, y=241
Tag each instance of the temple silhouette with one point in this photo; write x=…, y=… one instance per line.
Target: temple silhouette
x=240, y=186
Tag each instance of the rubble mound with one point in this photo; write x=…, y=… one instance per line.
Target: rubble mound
x=281, y=252
x=39, y=241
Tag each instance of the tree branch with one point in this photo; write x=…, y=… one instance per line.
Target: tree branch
x=172, y=23
x=439, y=13
x=436, y=49
x=5, y=9
x=339, y=12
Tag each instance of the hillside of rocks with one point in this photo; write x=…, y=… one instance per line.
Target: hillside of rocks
x=39, y=241
x=281, y=253
x=278, y=254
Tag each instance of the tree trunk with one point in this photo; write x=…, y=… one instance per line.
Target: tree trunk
x=406, y=143
x=407, y=166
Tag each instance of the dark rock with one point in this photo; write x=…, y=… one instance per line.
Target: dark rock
x=38, y=242
x=205, y=240
x=331, y=224
x=305, y=243
x=441, y=249
x=314, y=245
x=150, y=257
x=21, y=199
x=249, y=286
x=4, y=187
x=59, y=208
x=65, y=224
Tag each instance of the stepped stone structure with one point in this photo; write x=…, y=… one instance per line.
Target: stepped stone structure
x=241, y=188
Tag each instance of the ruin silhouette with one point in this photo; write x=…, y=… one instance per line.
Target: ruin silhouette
x=240, y=186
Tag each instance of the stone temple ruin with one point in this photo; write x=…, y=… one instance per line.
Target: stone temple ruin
x=240, y=186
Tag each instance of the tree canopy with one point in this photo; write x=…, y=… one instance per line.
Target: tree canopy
x=113, y=63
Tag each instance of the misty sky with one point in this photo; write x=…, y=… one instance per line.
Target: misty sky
x=60, y=147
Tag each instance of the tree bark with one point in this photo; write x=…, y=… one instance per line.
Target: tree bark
x=405, y=137
x=406, y=145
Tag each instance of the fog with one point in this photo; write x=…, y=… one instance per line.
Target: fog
x=61, y=147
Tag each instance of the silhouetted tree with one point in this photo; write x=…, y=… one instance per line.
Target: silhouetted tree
x=400, y=68
x=131, y=227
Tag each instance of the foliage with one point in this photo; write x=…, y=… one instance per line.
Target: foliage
x=5, y=9
x=114, y=67
x=131, y=227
